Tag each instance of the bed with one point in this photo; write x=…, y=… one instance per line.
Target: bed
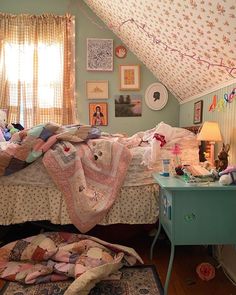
x=31, y=195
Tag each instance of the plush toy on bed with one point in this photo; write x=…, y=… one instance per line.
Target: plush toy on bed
x=222, y=162
x=7, y=130
x=12, y=129
x=228, y=176
x=3, y=123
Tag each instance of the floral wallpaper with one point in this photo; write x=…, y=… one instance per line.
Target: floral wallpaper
x=189, y=45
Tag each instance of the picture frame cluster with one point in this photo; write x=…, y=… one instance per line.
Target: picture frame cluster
x=100, y=59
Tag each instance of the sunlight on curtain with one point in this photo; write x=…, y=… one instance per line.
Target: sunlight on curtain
x=37, y=69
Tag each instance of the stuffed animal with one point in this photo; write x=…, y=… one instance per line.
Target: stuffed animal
x=3, y=123
x=228, y=175
x=7, y=130
x=222, y=162
x=12, y=129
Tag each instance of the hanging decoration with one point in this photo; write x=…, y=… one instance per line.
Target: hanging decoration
x=229, y=98
x=213, y=104
x=220, y=105
x=182, y=55
x=222, y=102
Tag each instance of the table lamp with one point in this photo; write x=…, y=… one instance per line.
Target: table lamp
x=210, y=131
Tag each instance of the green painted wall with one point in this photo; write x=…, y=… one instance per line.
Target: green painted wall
x=88, y=25
x=226, y=117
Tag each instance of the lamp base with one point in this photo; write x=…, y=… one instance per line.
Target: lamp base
x=212, y=153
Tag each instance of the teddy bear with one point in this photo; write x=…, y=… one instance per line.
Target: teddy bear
x=222, y=162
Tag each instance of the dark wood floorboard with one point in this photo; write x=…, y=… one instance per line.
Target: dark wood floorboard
x=184, y=280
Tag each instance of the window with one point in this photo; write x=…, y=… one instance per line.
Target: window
x=37, y=69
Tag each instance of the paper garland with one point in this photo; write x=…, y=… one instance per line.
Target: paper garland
x=221, y=103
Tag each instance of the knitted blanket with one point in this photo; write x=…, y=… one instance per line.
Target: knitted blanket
x=58, y=256
x=89, y=175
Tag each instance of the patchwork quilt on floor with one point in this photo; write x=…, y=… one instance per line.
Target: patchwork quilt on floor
x=57, y=256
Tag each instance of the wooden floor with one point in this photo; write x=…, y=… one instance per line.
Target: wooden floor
x=184, y=280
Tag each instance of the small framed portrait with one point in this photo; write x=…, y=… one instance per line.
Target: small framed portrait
x=197, y=112
x=99, y=54
x=129, y=77
x=97, y=89
x=156, y=96
x=98, y=115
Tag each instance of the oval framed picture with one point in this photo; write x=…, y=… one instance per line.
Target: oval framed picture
x=120, y=51
x=156, y=96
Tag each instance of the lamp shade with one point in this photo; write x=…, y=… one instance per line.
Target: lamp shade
x=210, y=131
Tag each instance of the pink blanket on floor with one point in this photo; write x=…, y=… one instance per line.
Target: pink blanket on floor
x=89, y=175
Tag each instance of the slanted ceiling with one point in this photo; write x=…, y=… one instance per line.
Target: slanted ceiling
x=189, y=45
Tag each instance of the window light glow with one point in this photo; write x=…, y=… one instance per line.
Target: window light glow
x=21, y=68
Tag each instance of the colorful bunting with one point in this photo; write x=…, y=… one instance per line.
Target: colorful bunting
x=220, y=105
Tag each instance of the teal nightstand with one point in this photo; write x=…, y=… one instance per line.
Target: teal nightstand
x=195, y=214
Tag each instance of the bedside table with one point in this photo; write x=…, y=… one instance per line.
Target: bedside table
x=195, y=214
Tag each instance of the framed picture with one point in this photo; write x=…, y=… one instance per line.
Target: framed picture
x=99, y=54
x=129, y=105
x=120, y=51
x=98, y=114
x=129, y=77
x=97, y=89
x=156, y=96
x=197, y=112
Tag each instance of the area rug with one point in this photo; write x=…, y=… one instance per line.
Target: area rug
x=135, y=280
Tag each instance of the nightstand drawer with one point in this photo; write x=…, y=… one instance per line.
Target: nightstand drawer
x=204, y=218
x=166, y=210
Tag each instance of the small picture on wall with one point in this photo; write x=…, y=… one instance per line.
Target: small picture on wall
x=197, y=112
x=98, y=115
x=129, y=77
x=128, y=105
x=99, y=54
x=97, y=89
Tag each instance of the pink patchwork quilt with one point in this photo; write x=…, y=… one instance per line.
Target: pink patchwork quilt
x=89, y=175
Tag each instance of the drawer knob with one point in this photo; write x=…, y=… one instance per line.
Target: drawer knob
x=189, y=217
